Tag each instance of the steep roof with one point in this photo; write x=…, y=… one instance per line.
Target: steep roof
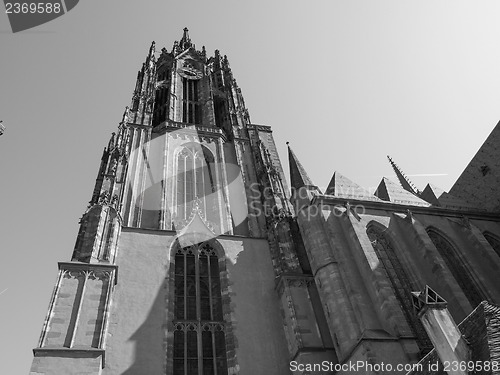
x=298, y=174
x=342, y=187
x=438, y=197
x=392, y=192
x=478, y=183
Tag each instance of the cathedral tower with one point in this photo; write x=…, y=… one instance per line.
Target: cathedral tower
x=194, y=258
x=187, y=260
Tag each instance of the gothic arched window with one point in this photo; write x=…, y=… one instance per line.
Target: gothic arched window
x=196, y=180
x=399, y=281
x=160, y=105
x=199, y=328
x=456, y=264
x=191, y=109
x=493, y=241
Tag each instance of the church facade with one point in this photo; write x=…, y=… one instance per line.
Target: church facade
x=195, y=257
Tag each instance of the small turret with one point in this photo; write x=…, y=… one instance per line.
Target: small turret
x=143, y=97
x=183, y=44
x=185, y=41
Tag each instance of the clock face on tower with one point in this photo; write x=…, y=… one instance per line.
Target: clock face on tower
x=190, y=72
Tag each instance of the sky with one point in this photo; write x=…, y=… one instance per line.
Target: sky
x=346, y=82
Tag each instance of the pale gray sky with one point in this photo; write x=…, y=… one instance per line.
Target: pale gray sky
x=346, y=82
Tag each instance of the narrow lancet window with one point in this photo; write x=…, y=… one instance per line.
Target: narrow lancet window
x=191, y=110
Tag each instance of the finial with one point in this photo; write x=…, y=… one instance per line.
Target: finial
x=185, y=41
x=125, y=115
x=111, y=143
x=287, y=143
x=151, y=53
x=185, y=35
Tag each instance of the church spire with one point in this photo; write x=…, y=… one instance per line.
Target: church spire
x=403, y=180
x=303, y=189
x=298, y=174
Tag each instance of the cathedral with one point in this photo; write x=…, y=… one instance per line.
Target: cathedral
x=195, y=256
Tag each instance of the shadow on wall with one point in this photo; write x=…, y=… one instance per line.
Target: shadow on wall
x=248, y=296
x=150, y=339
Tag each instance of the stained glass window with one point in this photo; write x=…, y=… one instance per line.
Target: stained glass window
x=199, y=335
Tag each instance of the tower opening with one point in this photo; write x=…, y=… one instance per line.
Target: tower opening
x=191, y=109
x=162, y=95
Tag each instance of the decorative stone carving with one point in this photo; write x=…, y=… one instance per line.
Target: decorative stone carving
x=103, y=198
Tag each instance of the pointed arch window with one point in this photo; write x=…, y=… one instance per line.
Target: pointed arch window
x=199, y=328
x=400, y=283
x=458, y=267
x=191, y=109
x=160, y=105
x=196, y=181
x=493, y=241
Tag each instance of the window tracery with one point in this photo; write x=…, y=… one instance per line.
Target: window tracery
x=199, y=327
x=196, y=181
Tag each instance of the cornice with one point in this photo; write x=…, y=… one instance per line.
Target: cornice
x=330, y=200
x=170, y=232
x=202, y=131
x=80, y=266
x=80, y=352
x=139, y=126
x=262, y=128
